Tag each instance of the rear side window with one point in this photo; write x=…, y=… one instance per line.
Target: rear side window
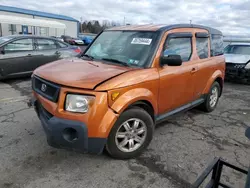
x=45, y=44
x=217, y=46
x=202, y=47
x=19, y=45
x=62, y=45
x=179, y=46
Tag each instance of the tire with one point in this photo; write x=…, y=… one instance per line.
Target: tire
x=131, y=115
x=208, y=106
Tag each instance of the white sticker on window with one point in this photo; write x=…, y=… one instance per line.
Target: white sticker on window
x=143, y=41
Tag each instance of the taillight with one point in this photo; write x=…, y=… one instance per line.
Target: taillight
x=77, y=50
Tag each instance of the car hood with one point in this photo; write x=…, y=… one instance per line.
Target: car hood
x=237, y=58
x=79, y=73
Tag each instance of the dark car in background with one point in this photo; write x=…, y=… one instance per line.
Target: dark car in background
x=71, y=40
x=238, y=61
x=20, y=55
x=87, y=38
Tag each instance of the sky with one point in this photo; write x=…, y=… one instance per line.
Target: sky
x=230, y=16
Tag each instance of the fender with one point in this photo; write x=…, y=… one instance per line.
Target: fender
x=216, y=74
x=132, y=96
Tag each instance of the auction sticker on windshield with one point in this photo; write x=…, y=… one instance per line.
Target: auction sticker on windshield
x=144, y=41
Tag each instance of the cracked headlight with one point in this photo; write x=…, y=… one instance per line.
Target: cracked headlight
x=78, y=103
x=247, y=66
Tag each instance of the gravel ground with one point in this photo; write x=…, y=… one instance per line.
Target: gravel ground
x=181, y=149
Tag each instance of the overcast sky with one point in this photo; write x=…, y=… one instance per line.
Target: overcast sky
x=230, y=16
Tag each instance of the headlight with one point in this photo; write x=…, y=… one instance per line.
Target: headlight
x=78, y=103
x=247, y=66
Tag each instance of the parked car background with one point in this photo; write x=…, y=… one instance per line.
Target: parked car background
x=58, y=38
x=238, y=61
x=73, y=41
x=20, y=55
x=87, y=38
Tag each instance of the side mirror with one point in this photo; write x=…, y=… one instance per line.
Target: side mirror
x=2, y=51
x=171, y=60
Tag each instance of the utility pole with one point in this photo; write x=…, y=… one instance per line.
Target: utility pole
x=190, y=22
x=81, y=24
x=124, y=21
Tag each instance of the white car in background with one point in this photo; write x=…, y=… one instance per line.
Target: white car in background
x=238, y=61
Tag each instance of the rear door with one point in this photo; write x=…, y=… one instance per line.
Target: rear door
x=205, y=63
x=46, y=51
x=17, y=57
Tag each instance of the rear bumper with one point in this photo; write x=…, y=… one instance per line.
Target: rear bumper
x=67, y=134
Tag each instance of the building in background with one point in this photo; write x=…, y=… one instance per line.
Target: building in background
x=71, y=24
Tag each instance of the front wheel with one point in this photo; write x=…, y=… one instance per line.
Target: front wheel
x=212, y=98
x=131, y=134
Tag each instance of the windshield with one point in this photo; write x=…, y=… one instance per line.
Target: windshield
x=132, y=48
x=5, y=39
x=238, y=49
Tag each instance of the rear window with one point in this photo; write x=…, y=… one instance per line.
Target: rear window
x=202, y=47
x=217, y=45
x=46, y=44
x=62, y=45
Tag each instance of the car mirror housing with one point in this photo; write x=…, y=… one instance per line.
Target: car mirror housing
x=171, y=60
x=2, y=50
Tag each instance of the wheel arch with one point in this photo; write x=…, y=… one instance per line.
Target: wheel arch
x=145, y=105
x=217, y=76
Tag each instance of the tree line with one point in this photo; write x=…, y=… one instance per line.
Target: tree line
x=95, y=26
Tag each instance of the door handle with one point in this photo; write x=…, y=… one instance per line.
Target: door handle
x=29, y=55
x=194, y=70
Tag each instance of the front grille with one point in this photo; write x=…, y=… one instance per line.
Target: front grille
x=45, y=88
x=235, y=66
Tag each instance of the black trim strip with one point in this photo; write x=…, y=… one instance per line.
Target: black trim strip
x=201, y=35
x=180, y=35
x=188, y=106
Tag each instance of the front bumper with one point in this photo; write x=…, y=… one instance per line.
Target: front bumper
x=67, y=134
x=237, y=73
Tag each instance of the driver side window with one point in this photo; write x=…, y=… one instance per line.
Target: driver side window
x=19, y=46
x=179, y=46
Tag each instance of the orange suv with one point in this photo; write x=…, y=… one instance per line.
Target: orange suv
x=126, y=81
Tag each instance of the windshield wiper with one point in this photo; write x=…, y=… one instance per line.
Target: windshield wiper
x=116, y=61
x=88, y=56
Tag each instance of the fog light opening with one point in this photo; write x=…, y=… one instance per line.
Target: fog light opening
x=70, y=135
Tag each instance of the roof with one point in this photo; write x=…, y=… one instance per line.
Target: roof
x=35, y=13
x=31, y=22
x=240, y=43
x=25, y=36
x=164, y=27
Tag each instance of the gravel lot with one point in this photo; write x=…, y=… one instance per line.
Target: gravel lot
x=182, y=147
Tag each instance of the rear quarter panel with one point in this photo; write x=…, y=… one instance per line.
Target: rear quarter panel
x=219, y=66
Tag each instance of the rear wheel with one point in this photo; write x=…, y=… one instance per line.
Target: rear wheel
x=212, y=98
x=131, y=134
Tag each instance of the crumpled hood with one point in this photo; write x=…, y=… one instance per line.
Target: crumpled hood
x=237, y=58
x=79, y=73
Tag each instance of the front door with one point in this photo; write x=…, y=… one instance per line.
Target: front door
x=17, y=56
x=176, y=82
